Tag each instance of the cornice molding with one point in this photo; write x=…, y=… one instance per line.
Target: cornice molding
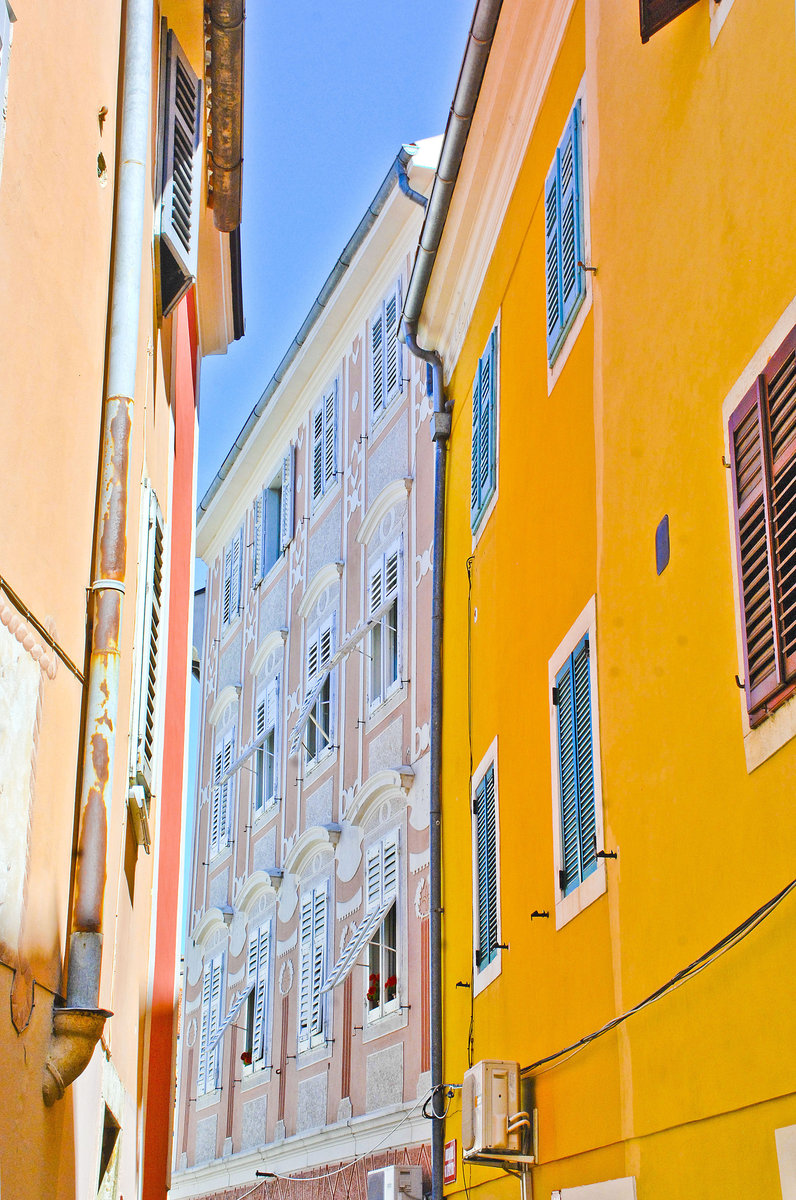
x=226, y=696
x=272, y=641
x=321, y=580
x=312, y=840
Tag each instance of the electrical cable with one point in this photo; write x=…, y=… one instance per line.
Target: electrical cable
x=734, y=938
x=359, y=1157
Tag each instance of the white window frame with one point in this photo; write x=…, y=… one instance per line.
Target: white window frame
x=379, y=372
x=313, y=961
x=232, y=575
x=213, y=988
x=377, y=658
x=378, y=891
x=316, y=640
x=268, y=704
x=223, y=758
x=324, y=415
x=571, y=337
x=594, y=885
x=260, y=982
x=482, y=977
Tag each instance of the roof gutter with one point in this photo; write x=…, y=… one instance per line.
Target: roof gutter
x=396, y=175
x=226, y=18
x=471, y=75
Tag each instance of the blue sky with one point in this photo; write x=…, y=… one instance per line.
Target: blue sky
x=331, y=92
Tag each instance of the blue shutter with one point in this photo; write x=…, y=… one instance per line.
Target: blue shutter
x=553, y=256
x=572, y=276
x=486, y=850
x=566, y=281
x=568, y=782
x=585, y=759
x=576, y=769
x=475, y=506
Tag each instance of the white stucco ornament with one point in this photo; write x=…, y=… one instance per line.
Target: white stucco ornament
x=285, y=977
x=349, y=852
x=237, y=933
x=288, y=898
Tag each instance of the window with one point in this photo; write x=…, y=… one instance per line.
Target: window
x=762, y=434
x=318, y=730
x=657, y=13
x=377, y=931
x=258, y=1000
x=564, y=236
x=209, y=1055
x=273, y=519
x=577, y=795
x=324, y=444
x=386, y=366
x=312, y=924
x=266, y=727
x=5, y=53
x=231, y=589
x=382, y=885
x=383, y=609
x=221, y=801
x=483, y=474
x=148, y=637
x=487, y=889
x=181, y=159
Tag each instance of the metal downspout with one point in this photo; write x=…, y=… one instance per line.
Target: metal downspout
x=78, y=1026
x=440, y=432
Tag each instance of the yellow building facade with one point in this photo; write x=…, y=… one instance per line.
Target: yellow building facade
x=617, y=722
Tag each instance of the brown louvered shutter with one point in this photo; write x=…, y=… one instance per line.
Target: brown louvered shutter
x=181, y=156
x=657, y=13
x=763, y=447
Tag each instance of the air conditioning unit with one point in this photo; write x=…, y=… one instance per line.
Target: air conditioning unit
x=490, y=1107
x=396, y=1183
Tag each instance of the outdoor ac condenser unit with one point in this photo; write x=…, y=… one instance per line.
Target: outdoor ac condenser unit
x=396, y=1183
x=490, y=1102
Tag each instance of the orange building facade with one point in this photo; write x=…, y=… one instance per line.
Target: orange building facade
x=120, y=257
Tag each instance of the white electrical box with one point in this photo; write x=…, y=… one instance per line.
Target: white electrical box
x=396, y=1183
x=490, y=1099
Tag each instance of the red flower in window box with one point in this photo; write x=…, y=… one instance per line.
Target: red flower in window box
x=246, y=1058
x=372, y=994
x=390, y=984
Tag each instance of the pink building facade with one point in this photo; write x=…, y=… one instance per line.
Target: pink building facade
x=304, y=1026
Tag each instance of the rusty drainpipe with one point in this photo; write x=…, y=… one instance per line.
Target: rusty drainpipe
x=78, y=1024
x=226, y=74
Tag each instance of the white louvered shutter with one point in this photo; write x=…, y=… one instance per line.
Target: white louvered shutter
x=237, y=571
x=376, y=586
x=226, y=596
x=305, y=970
x=330, y=437
x=215, y=804
x=225, y=798
x=150, y=644
x=393, y=362
x=216, y=996
x=286, y=516
x=259, y=971
x=377, y=361
x=259, y=512
x=318, y=961
x=317, y=452
x=201, y=1080
x=182, y=158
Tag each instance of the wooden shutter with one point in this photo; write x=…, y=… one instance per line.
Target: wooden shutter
x=391, y=575
x=150, y=642
x=286, y=503
x=317, y=452
x=318, y=962
x=576, y=769
x=475, y=452
x=330, y=437
x=259, y=537
x=182, y=159
x=565, y=280
x=305, y=970
x=224, y=795
x=572, y=276
x=205, y=1034
x=654, y=14
x=259, y=970
x=216, y=996
x=376, y=586
x=486, y=866
x=763, y=458
x=552, y=257
x=393, y=362
x=215, y=803
x=377, y=361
